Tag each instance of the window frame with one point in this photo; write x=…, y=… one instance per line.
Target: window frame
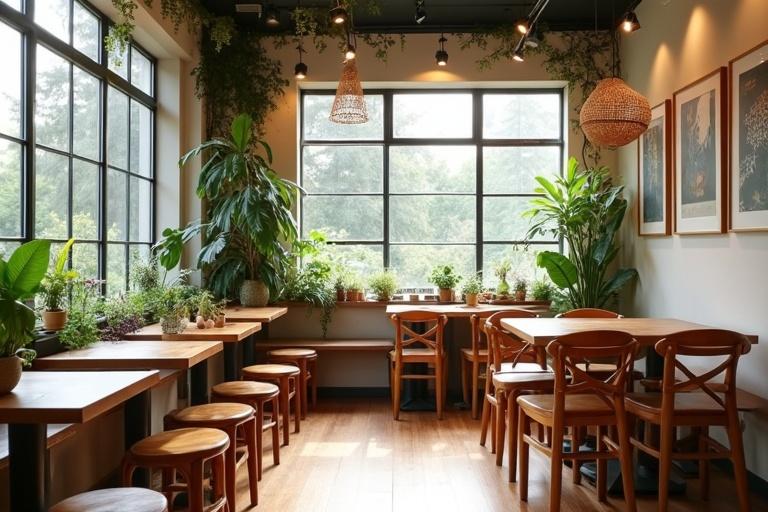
x=476, y=140
x=34, y=35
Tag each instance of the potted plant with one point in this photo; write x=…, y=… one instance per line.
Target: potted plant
x=355, y=289
x=54, y=291
x=542, y=290
x=340, y=285
x=521, y=289
x=20, y=278
x=250, y=223
x=206, y=310
x=219, y=314
x=383, y=284
x=446, y=279
x=472, y=287
x=173, y=310
x=501, y=270
x=82, y=329
x=121, y=316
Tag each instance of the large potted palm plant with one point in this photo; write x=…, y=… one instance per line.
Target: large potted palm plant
x=584, y=209
x=20, y=278
x=249, y=220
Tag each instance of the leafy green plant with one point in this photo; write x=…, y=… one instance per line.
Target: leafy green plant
x=82, y=328
x=444, y=276
x=500, y=270
x=54, y=289
x=542, y=290
x=383, y=284
x=473, y=285
x=206, y=305
x=20, y=278
x=586, y=210
x=521, y=285
x=121, y=316
x=145, y=274
x=249, y=213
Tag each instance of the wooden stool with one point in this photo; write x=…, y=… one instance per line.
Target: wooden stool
x=306, y=360
x=282, y=375
x=185, y=450
x=228, y=417
x=257, y=395
x=127, y=499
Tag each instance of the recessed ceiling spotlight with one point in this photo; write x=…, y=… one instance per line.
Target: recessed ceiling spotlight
x=630, y=23
x=421, y=12
x=339, y=14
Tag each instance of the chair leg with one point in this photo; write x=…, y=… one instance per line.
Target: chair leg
x=623, y=428
x=475, y=386
x=737, y=457
x=665, y=464
x=396, y=381
x=485, y=420
x=556, y=471
x=439, y=387
x=464, y=380
x=512, y=419
x=601, y=465
x=575, y=443
x=703, y=434
x=494, y=412
x=501, y=430
x=523, y=428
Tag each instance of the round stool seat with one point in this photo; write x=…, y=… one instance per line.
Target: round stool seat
x=270, y=371
x=246, y=389
x=221, y=413
x=293, y=353
x=183, y=442
x=125, y=499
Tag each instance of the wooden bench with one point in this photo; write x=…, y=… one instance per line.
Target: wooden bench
x=328, y=345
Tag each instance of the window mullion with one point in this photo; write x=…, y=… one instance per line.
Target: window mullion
x=29, y=66
x=388, y=130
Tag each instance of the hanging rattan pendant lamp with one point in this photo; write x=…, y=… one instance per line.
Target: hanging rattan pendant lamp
x=349, y=104
x=614, y=114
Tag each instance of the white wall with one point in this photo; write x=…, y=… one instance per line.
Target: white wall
x=720, y=280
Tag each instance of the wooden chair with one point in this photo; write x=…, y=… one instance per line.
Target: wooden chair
x=185, y=450
x=580, y=400
x=472, y=358
x=231, y=418
x=257, y=395
x=405, y=353
x=306, y=360
x=694, y=401
x=514, y=367
x=286, y=376
x=125, y=499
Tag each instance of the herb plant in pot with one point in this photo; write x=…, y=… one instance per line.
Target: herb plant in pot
x=54, y=291
x=501, y=270
x=472, y=288
x=173, y=310
x=521, y=289
x=446, y=279
x=542, y=290
x=383, y=284
x=20, y=278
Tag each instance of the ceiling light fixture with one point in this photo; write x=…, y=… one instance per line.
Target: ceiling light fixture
x=630, y=23
x=441, y=56
x=527, y=27
x=421, y=12
x=339, y=14
x=522, y=25
x=518, y=55
x=301, y=69
x=349, y=104
x=351, y=51
x=271, y=17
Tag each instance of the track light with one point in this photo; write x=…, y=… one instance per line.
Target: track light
x=441, y=56
x=421, y=13
x=522, y=25
x=339, y=14
x=350, y=53
x=630, y=23
x=271, y=17
x=534, y=38
x=518, y=55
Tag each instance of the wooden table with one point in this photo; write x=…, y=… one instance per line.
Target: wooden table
x=140, y=355
x=460, y=310
x=60, y=397
x=233, y=334
x=264, y=315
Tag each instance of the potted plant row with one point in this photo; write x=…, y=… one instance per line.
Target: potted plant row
x=446, y=279
x=471, y=289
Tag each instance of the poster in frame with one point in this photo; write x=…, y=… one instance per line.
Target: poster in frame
x=700, y=112
x=748, y=160
x=654, y=174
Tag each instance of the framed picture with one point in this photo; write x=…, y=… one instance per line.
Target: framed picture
x=701, y=155
x=654, y=174
x=749, y=140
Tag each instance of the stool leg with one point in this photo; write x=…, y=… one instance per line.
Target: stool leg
x=314, y=383
x=254, y=455
x=258, y=435
x=297, y=404
x=303, y=385
x=194, y=478
x=275, y=433
x=285, y=410
x=219, y=481
x=230, y=467
x=128, y=470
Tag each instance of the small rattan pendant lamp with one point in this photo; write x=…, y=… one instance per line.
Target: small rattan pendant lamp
x=349, y=104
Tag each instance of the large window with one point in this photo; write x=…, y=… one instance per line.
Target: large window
x=433, y=177
x=81, y=162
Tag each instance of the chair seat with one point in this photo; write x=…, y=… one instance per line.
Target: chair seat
x=246, y=389
x=607, y=369
x=523, y=380
x=482, y=354
x=523, y=368
x=125, y=499
x=293, y=353
x=270, y=371
x=686, y=404
x=220, y=413
x=416, y=355
x=586, y=406
x=202, y=442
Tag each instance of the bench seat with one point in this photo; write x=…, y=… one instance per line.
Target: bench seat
x=326, y=345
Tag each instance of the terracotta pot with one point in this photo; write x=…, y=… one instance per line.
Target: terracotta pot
x=520, y=295
x=446, y=294
x=54, y=320
x=220, y=321
x=352, y=295
x=254, y=294
x=341, y=296
x=361, y=296
x=10, y=373
x=471, y=299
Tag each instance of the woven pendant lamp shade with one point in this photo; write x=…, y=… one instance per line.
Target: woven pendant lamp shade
x=614, y=114
x=349, y=104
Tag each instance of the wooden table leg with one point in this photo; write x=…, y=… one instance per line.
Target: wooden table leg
x=232, y=366
x=199, y=383
x=249, y=357
x=26, y=457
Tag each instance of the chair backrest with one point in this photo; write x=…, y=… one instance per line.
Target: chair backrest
x=572, y=349
x=589, y=313
x=504, y=346
x=478, y=333
x=725, y=346
x=433, y=325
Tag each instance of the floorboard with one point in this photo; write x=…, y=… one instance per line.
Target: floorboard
x=351, y=456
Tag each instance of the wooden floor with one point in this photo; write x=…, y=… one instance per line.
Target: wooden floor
x=351, y=456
